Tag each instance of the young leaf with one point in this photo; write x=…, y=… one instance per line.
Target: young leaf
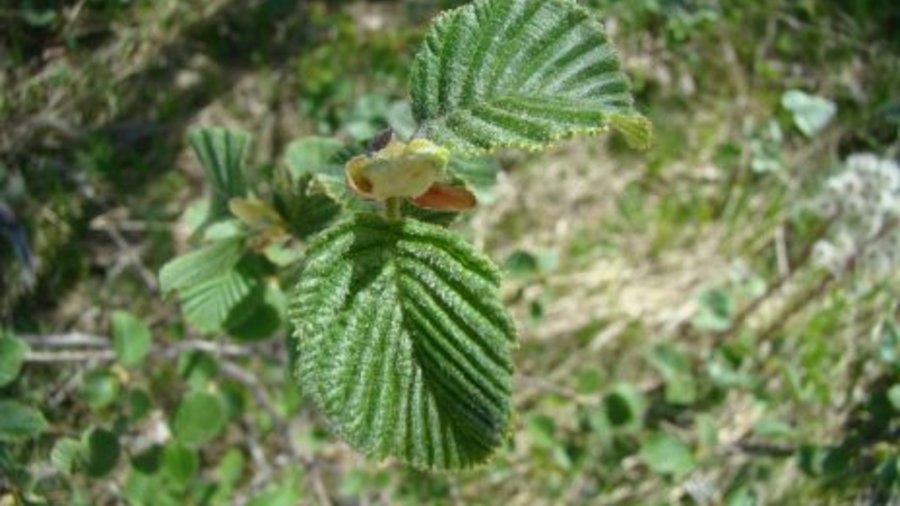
x=18, y=421
x=131, y=338
x=311, y=155
x=304, y=197
x=520, y=73
x=12, y=356
x=222, y=153
x=404, y=343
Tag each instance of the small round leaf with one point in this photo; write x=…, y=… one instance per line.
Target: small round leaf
x=131, y=338
x=102, y=452
x=200, y=417
x=180, y=463
x=666, y=454
x=100, y=388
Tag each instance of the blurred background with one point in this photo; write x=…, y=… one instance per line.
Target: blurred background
x=712, y=321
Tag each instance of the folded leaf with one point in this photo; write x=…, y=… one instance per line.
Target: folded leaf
x=200, y=265
x=222, y=154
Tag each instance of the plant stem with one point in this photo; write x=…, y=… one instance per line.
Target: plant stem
x=392, y=209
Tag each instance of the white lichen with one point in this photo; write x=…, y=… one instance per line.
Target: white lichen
x=864, y=202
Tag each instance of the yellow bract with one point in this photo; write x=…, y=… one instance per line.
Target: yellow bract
x=268, y=226
x=398, y=170
x=255, y=213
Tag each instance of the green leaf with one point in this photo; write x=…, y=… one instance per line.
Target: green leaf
x=12, y=356
x=309, y=199
x=893, y=395
x=264, y=320
x=209, y=304
x=18, y=421
x=521, y=264
x=479, y=174
x=666, y=454
x=675, y=369
x=200, y=265
x=228, y=473
x=67, y=453
x=520, y=73
x=197, y=368
x=811, y=113
x=200, y=417
x=625, y=406
x=149, y=460
x=222, y=154
x=213, y=282
x=404, y=343
x=139, y=404
x=100, y=388
x=310, y=155
x=131, y=338
x=287, y=492
x=102, y=452
x=715, y=310
x=180, y=463
x=541, y=431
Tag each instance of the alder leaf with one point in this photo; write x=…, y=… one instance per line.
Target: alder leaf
x=404, y=343
x=214, y=283
x=520, y=73
x=19, y=421
x=222, y=154
x=200, y=265
x=209, y=304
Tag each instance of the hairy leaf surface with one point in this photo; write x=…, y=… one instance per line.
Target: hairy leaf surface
x=404, y=343
x=520, y=73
